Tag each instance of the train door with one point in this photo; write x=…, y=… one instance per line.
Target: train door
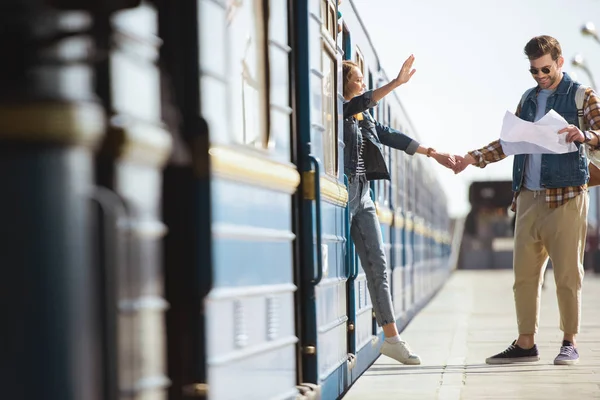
x=362, y=326
x=409, y=223
x=373, y=185
x=186, y=206
x=354, y=296
x=323, y=214
x=231, y=282
x=352, y=263
x=420, y=207
x=383, y=202
x=50, y=123
x=399, y=207
x=351, y=256
x=417, y=233
x=129, y=172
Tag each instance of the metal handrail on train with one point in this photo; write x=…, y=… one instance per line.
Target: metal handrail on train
x=115, y=215
x=315, y=161
x=349, y=244
x=351, y=254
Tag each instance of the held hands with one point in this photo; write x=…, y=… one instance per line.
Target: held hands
x=462, y=163
x=454, y=162
x=444, y=159
x=573, y=134
x=406, y=72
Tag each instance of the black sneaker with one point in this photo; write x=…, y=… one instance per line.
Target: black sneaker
x=515, y=354
x=568, y=354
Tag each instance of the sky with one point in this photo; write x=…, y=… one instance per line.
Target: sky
x=471, y=68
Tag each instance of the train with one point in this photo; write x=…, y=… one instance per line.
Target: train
x=488, y=236
x=488, y=230
x=174, y=218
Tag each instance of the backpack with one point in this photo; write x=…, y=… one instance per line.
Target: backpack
x=592, y=155
x=579, y=96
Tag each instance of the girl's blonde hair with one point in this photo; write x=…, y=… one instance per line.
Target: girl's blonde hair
x=347, y=67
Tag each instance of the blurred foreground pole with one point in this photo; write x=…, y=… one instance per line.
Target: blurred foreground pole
x=50, y=124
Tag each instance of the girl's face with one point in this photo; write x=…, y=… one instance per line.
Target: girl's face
x=355, y=85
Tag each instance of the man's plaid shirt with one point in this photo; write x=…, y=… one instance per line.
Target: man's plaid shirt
x=558, y=196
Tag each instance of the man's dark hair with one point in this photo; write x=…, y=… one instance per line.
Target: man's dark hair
x=539, y=46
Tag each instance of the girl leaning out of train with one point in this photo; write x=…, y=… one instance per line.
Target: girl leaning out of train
x=364, y=161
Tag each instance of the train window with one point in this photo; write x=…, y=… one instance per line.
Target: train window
x=329, y=18
x=380, y=111
x=401, y=180
x=279, y=80
x=249, y=87
x=382, y=184
x=329, y=84
x=347, y=43
x=329, y=112
x=360, y=60
x=401, y=171
x=333, y=21
x=410, y=184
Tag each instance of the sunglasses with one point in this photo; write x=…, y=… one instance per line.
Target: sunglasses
x=535, y=71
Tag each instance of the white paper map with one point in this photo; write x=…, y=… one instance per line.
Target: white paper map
x=541, y=137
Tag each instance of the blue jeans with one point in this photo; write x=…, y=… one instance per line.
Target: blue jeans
x=366, y=234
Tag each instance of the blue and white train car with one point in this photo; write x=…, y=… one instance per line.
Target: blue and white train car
x=411, y=209
x=231, y=259
x=209, y=132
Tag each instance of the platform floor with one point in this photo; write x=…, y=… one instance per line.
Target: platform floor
x=472, y=318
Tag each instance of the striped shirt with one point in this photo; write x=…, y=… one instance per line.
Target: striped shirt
x=360, y=143
x=360, y=166
x=555, y=197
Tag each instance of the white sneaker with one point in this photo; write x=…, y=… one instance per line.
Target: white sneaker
x=400, y=352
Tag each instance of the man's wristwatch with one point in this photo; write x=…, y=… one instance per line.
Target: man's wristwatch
x=587, y=135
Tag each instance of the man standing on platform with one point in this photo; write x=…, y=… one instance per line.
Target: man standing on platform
x=551, y=202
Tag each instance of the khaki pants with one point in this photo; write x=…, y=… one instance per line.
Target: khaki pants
x=560, y=233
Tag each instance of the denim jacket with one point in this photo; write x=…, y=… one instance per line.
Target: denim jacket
x=376, y=136
x=558, y=170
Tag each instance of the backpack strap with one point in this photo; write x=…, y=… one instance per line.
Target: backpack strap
x=579, y=96
x=591, y=154
x=525, y=96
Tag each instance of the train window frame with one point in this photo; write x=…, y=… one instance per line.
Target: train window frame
x=329, y=18
x=359, y=59
x=346, y=43
x=238, y=131
x=329, y=109
x=329, y=88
